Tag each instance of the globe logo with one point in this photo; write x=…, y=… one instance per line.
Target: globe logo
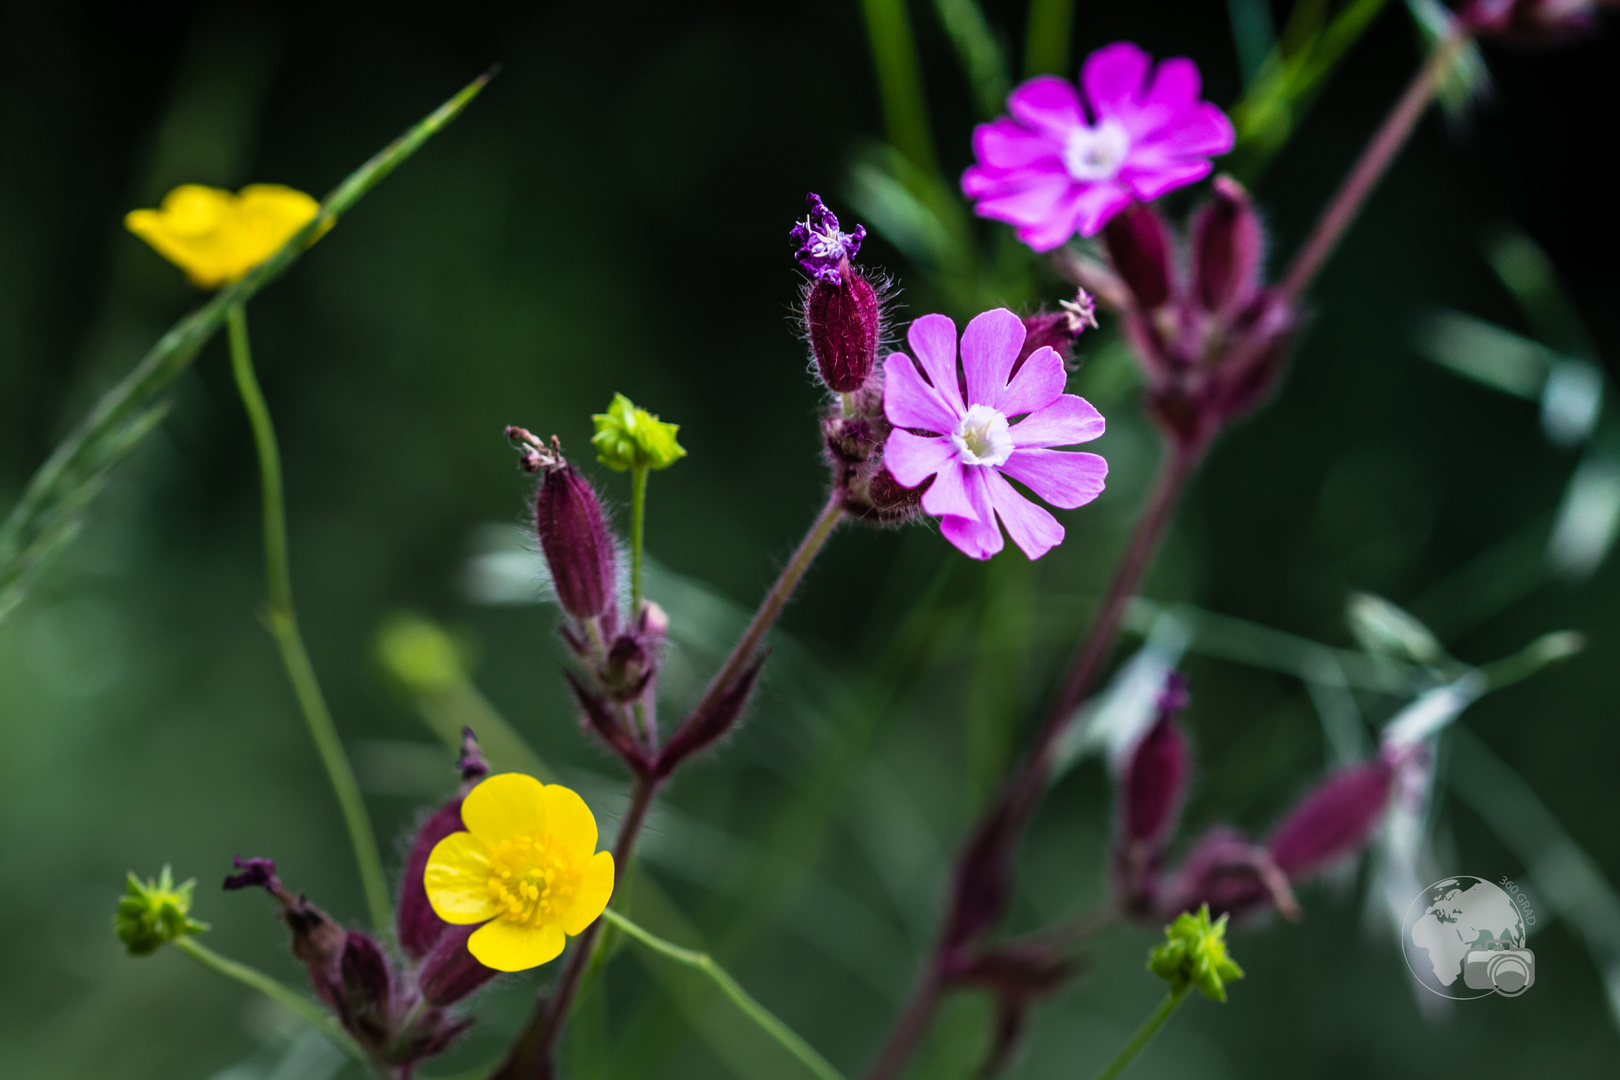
x=1464, y=938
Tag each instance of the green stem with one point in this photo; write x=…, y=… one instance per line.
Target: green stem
x=291, y=1000
x=638, y=528
x=1046, y=38
x=756, y=1012
x=1145, y=1033
x=894, y=51
x=283, y=620
x=46, y=518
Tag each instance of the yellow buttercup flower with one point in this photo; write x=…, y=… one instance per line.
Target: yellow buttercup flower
x=527, y=867
x=215, y=236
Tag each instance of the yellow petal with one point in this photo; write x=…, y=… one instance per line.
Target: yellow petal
x=569, y=822
x=595, y=890
x=505, y=806
x=215, y=236
x=513, y=946
x=457, y=880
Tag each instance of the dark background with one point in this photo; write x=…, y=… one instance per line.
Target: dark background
x=611, y=216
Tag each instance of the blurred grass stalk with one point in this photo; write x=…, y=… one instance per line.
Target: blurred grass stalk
x=50, y=513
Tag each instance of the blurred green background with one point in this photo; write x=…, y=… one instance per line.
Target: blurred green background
x=611, y=216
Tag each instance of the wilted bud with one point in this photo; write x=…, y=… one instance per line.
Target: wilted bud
x=151, y=914
x=576, y=543
x=843, y=313
x=704, y=727
x=1228, y=246
x=1232, y=876
x=1057, y=330
x=1334, y=820
x=1139, y=246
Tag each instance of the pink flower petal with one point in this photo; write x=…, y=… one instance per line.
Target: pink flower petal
x=1007, y=144
x=1032, y=198
x=1097, y=205
x=972, y=538
x=933, y=342
x=911, y=459
x=909, y=402
x=1064, y=478
x=1066, y=421
x=990, y=346
x=1176, y=84
x=1201, y=131
x=1150, y=184
x=949, y=494
x=1038, y=383
x=1048, y=104
x=975, y=534
x=1112, y=77
x=1031, y=527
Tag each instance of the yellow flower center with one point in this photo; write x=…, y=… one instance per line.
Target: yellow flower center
x=533, y=881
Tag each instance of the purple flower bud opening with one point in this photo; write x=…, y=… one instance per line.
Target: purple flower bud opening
x=471, y=764
x=825, y=250
x=1139, y=245
x=1057, y=330
x=576, y=543
x=1334, y=820
x=252, y=873
x=1228, y=246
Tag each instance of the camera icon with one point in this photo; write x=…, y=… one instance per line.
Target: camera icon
x=1510, y=972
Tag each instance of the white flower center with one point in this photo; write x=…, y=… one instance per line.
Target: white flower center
x=1097, y=153
x=981, y=437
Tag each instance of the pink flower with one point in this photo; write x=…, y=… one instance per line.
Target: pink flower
x=1058, y=166
x=975, y=447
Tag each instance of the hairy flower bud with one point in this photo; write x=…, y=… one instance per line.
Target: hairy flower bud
x=1152, y=781
x=1139, y=246
x=576, y=543
x=843, y=313
x=1335, y=819
x=1227, y=247
x=704, y=727
x=450, y=972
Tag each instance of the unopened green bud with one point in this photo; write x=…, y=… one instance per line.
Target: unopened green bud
x=153, y=913
x=631, y=438
x=1194, y=954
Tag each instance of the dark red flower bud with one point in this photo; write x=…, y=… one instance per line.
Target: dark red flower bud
x=982, y=882
x=843, y=321
x=1228, y=246
x=450, y=972
x=1335, y=819
x=366, y=1007
x=576, y=542
x=1152, y=783
x=706, y=726
x=415, y=923
x=1230, y=874
x=1139, y=246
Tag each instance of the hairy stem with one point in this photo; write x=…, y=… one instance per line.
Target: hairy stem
x=745, y=1001
x=1018, y=796
x=1369, y=168
x=909, y=1029
x=775, y=600
x=1144, y=1034
x=532, y=1055
x=283, y=620
x=300, y=1006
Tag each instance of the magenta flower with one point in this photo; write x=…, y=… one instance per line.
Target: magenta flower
x=975, y=447
x=1059, y=166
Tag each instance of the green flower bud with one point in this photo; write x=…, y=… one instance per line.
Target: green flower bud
x=630, y=438
x=153, y=913
x=1194, y=953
